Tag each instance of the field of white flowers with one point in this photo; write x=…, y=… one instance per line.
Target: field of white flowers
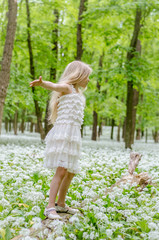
x=123, y=214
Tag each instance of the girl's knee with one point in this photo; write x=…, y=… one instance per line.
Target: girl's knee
x=70, y=175
x=61, y=172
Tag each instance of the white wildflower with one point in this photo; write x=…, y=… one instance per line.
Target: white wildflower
x=73, y=219
x=60, y=238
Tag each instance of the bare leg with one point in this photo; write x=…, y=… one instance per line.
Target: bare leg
x=64, y=188
x=54, y=186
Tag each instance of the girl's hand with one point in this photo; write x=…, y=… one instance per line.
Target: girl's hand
x=37, y=82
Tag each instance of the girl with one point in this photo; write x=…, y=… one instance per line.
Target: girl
x=63, y=142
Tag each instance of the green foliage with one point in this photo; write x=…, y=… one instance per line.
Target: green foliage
x=107, y=28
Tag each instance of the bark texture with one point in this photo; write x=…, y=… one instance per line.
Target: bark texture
x=95, y=114
x=38, y=110
x=95, y=123
x=53, y=64
x=7, y=54
x=141, y=180
x=112, y=129
x=47, y=226
x=82, y=9
x=132, y=94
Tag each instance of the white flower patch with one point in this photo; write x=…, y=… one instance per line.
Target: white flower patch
x=60, y=238
x=153, y=235
x=37, y=225
x=36, y=210
x=24, y=232
x=4, y=203
x=23, y=192
x=34, y=197
x=74, y=219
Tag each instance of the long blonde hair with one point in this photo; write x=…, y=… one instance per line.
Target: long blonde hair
x=75, y=72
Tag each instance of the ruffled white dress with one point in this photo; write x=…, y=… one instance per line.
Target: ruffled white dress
x=63, y=141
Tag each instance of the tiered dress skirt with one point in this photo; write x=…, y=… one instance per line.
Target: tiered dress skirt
x=63, y=142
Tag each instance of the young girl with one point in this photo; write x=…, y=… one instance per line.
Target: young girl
x=63, y=142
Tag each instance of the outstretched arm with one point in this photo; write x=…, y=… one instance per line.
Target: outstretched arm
x=62, y=87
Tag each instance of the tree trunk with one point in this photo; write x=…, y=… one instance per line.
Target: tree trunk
x=138, y=133
x=15, y=123
x=82, y=9
x=6, y=124
x=7, y=54
x=95, y=114
x=53, y=67
x=31, y=126
x=38, y=110
x=156, y=136
x=146, y=135
x=112, y=128
x=95, y=123
x=118, y=133
x=132, y=94
x=10, y=125
x=134, y=103
x=124, y=128
x=100, y=128
x=23, y=121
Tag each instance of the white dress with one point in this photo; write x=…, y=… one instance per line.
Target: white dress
x=63, y=141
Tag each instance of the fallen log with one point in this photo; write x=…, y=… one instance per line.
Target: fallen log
x=47, y=226
x=140, y=180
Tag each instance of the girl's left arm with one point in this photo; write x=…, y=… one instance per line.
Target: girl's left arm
x=62, y=87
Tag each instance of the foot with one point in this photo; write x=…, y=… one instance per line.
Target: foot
x=65, y=209
x=51, y=213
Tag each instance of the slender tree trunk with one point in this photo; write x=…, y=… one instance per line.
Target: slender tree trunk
x=142, y=133
x=6, y=124
x=132, y=94
x=95, y=114
x=82, y=9
x=134, y=103
x=23, y=121
x=7, y=54
x=146, y=138
x=10, y=125
x=139, y=130
x=100, y=128
x=53, y=67
x=38, y=110
x=15, y=123
x=95, y=123
x=112, y=128
x=31, y=126
x=156, y=136
x=138, y=133
x=118, y=133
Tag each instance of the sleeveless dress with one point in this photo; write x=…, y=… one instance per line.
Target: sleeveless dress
x=63, y=141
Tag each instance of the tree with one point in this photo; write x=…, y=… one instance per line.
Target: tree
x=82, y=9
x=38, y=110
x=132, y=94
x=7, y=54
x=54, y=59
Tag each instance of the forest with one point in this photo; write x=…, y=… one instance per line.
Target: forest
x=119, y=39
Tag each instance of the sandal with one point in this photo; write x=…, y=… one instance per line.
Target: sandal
x=47, y=213
x=65, y=209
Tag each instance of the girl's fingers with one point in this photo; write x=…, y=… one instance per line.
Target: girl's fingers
x=36, y=82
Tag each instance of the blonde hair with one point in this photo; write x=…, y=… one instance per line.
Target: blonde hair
x=74, y=73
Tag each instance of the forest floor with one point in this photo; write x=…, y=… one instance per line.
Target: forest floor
x=122, y=214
